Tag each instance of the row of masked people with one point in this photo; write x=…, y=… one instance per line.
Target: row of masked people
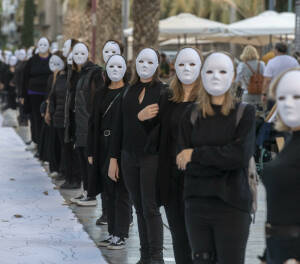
x=185, y=146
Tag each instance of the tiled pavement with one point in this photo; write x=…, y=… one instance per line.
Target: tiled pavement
x=88, y=215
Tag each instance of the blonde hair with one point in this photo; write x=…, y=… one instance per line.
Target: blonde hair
x=279, y=124
x=249, y=53
x=177, y=89
x=204, y=99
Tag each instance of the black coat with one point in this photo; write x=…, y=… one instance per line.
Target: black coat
x=79, y=104
x=58, y=100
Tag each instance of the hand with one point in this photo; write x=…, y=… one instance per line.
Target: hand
x=113, y=170
x=148, y=112
x=90, y=160
x=22, y=101
x=291, y=261
x=47, y=118
x=183, y=158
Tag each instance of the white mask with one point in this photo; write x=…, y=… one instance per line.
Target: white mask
x=67, y=47
x=13, y=61
x=217, y=74
x=110, y=48
x=43, y=45
x=7, y=54
x=116, y=68
x=56, y=63
x=146, y=63
x=288, y=99
x=188, y=65
x=70, y=59
x=21, y=56
x=80, y=54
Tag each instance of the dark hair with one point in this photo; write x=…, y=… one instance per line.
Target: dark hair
x=73, y=43
x=281, y=47
x=135, y=78
x=117, y=42
x=106, y=78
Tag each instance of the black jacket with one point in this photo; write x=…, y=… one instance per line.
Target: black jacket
x=19, y=76
x=58, y=99
x=82, y=88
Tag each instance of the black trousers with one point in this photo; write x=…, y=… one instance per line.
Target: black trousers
x=118, y=207
x=35, y=116
x=72, y=170
x=280, y=250
x=175, y=215
x=140, y=172
x=83, y=166
x=217, y=232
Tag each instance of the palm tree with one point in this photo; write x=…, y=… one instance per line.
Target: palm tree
x=145, y=15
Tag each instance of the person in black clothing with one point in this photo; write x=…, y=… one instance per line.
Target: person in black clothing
x=214, y=152
x=281, y=176
x=184, y=91
x=99, y=136
x=139, y=168
x=10, y=85
x=34, y=90
x=85, y=81
x=19, y=79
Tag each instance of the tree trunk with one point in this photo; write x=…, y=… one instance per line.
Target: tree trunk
x=27, y=29
x=145, y=15
x=109, y=24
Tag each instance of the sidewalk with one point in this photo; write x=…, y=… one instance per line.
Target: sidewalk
x=36, y=225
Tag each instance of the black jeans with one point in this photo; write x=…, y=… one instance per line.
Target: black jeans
x=118, y=207
x=83, y=165
x=35, y=117
x=280, y=250
x=175, y=215
x=72, y=170
x=140, y=172
x=217, y=232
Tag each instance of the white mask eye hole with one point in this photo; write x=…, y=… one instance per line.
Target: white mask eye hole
x=209, y=72
x=141, y=61
x=150, y=62
x=297, y=97
x=181, y=64
x=106, y=51
x=281, y=98
x=120, y=67
x=76, y=53
x=223, y=72
x=113, y=52
x=111, y=66
x=192, y=64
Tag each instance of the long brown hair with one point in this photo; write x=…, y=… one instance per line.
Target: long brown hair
x=155, y=78
x=177, y=89
x=204, y=99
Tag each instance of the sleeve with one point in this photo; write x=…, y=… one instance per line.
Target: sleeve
x=116, y=141
x=269, y=70
x=26, y=75
x=239, y=73
x=185, y=131
x=91, y=130
x=234, y=155
x=262, y=67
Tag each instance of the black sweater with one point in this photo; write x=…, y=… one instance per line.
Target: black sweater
x=129, y=134
x=221, y=155
x=164, y=129
x=281, y=178
x=36, y=74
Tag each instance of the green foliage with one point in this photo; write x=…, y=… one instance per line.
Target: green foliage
x=28, y=26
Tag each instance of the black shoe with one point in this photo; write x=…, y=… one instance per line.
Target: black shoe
x=102, y=220
x=70, y=186
x=157, y=262
x=117, y=243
